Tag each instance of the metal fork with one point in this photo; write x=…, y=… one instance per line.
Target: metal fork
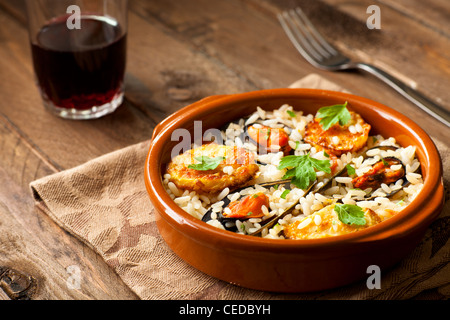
x=321, y=54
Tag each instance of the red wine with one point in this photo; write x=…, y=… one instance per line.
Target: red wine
x=80, y=68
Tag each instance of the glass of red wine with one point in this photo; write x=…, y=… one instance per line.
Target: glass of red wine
x=79, y=55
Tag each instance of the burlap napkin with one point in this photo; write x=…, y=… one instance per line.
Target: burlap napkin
x=104, y=203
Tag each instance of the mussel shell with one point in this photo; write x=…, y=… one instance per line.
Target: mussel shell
x=222, y=219
x=246, y=137
x=378, y=178
x=404, y=184
x=343, y=173
x=270, y=222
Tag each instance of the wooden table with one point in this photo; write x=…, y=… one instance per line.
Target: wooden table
x=179, y=52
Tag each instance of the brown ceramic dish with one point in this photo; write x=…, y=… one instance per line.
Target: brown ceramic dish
x=292, y=265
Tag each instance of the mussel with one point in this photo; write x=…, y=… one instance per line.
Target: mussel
x=388, y=170
x=273, y=220
x=239, y=206
x=385, y=171
x=267, y=139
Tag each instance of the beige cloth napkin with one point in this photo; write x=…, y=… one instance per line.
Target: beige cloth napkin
x=104, y=203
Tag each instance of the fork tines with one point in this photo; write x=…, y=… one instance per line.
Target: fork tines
x=305, y=37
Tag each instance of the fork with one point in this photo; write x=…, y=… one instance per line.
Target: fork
x=321, y=54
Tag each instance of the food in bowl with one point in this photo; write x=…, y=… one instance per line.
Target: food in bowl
x=288, y=265
x=283, y=174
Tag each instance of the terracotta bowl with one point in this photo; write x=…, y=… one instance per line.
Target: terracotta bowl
x=292, y=265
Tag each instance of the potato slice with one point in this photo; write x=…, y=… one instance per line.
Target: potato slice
x=338, y=139
x=325, y=223
x=241, y=168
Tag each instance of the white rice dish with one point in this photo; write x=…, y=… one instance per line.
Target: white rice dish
x=305, y=204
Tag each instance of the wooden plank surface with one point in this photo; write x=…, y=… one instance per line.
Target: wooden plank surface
x=32, y=244
x=179, y=52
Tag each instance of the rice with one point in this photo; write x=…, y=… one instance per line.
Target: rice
x=343, y=179
x=223, y=194
x=303, y=206
x=228, y=170
x=252, y=119
x=335, y=140
x=304, y=223
x=173, y=188
x=317, y=220
x=234, y=196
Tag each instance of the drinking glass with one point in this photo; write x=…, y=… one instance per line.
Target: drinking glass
x=79, y=55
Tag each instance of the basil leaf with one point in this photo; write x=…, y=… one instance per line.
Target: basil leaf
x=321, y=165
x=206, y=163
x=291, y=113
x=350, y=214
x=331, y=115
x=350, y=170
x=302, y=169
x=285, y=193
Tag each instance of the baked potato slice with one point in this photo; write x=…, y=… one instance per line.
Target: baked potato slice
x=338, y=139
x=235, y=170
x=325, y=223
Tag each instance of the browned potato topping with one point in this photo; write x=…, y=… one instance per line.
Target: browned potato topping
x=338, y=139
x=325, y=223
x=239, y=165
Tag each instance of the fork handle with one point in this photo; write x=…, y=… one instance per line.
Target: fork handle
x=412, y=95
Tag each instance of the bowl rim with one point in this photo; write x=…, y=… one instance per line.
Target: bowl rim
x=402, y=223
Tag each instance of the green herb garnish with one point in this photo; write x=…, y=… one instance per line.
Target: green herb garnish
x=291, y=113
x=350, y=214
x=302, y=169
x=285, y=193
x=350, y=170
x=268, y=134
x=331, y=115
x=297, y=143
x=206, y=163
